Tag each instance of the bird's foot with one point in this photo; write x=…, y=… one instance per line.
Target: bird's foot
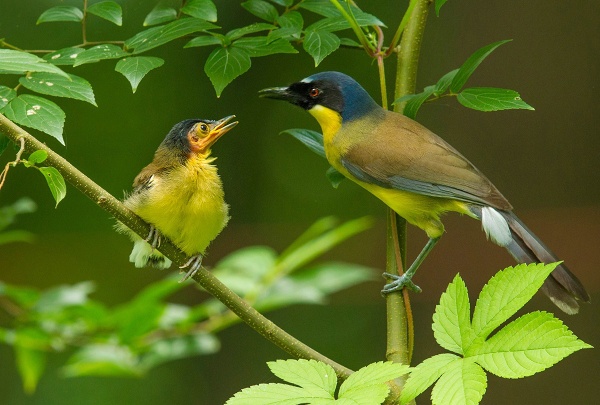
x=155, y=237
x=398, y=283
x=195, y=263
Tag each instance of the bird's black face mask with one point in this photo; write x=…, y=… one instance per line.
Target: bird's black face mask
x=308, y=94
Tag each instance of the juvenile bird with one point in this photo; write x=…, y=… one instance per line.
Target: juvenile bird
x=417, y=174
x=180, y=194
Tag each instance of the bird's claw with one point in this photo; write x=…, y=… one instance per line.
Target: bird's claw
x=398, y=283
x=194, y=263
x=155, y=236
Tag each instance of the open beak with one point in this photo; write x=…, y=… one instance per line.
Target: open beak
x=218, y=129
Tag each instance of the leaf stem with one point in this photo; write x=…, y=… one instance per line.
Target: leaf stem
x=367, y=45
x=207, y=280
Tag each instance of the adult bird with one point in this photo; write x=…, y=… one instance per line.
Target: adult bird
x=180, y=195
x=417, y=174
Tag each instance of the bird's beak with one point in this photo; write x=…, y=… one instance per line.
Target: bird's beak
x=219, y=128
x=277, y=93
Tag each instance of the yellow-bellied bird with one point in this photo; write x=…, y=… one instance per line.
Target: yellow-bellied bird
x=180, y=194
x=417, y=174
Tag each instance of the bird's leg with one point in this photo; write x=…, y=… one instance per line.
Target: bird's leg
x=195, y=263
x=155, y=236
x=405, y=280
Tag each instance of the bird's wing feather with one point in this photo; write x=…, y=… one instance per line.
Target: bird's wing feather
x=400, y=153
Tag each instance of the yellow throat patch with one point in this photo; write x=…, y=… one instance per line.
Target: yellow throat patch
x=330, y=121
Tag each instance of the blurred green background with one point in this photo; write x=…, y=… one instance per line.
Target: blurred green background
x=545, y=162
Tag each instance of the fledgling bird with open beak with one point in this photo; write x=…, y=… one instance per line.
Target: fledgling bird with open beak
x=180, y=195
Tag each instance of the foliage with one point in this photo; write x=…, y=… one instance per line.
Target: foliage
x=132, y=338
x=527, y=345
x=315, y=383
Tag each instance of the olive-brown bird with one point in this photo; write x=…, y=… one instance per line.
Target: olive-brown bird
x=417, y=174
x=180, y=195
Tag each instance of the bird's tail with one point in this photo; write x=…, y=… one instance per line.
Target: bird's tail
x=142, y=254
x=562, y=287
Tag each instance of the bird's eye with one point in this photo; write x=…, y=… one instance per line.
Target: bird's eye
x=314, y=92
x=203, y=127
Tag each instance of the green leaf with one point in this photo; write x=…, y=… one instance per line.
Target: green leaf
x=261, y=9
x=242, y=269
x=374, y=374
x=444, y=82
x=334, y=177
x=284, y=3
x=425, y=374
x=23, y=62
x=160, y=14
x=259, y=46
x=318, y=379
x=204, y=40
x=311, y=139
x=37, y=157
x=56, y=183
x=6, y=95
x=4, y=142
x=22, y=296
x=319, y=44
x=467, y=69
x=157, y=36
x=249, y=29
x=204, y=9
x=98, y=53
x=326, y=9
x=451, y=320
x=291, y=19
x=61, y=13
x=102, y=359
x=63, y=296
x=30, y=363
x=438, y=6
x=16, y=235
x=506, y=293
x=463, y=382
x=135, y=319
x=271, y=394
x=8, y=213
x=55, y=85
x=283, y=33
x=65, y=56
x=332, y=277
x=350, y=42
x=157, y=291
x=37, y=112
x=492, y=99
x=136, y=67
x=179, y=347
x=225, y=64
x=415, y=101
x=109, y=10
x=527, y=346
x=339, y=23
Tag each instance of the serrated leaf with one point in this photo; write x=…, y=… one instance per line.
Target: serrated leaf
x=55, y=85
x=37, y=157
x=225, y=64
x=467, y=68
x=65, y=56
x=157, y=36
x=425, y=374
x=160, y=14
x=451, y=320
x=204, y=40
x=368, y=395
x=462, y=383
x=30, y=363
x=56, y=183
x=23, y=62
x=261, y=9
x=334, y=177
x=442, y=85
x=135, y=68
x=291, y=19
x=319, y=44
x=6, y=95
x=311, y=139
x=492, y=99
x=415, y=101
x=506, y=293
x=527, y=346
x=102, y=359
x=61, y=13
x=438, y=6
x=98, y=53
x=204, y=9
x=179, y=347
x=38, y=113
x=249, y=29
x=259, y=46
x=317, y=378
x=372, y=374
x=283, y=33
x=271, y=394
x=108, y=10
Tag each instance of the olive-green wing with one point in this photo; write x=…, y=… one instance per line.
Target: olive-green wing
x=401, y=153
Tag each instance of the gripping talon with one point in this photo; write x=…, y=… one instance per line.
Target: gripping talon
x=154, y=236
x=398, y=283
x=194, y=263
